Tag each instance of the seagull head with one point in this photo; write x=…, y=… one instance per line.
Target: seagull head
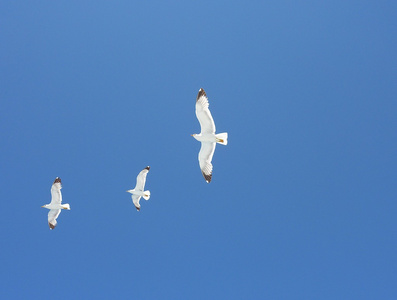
x=130, y=191
x=197, y=136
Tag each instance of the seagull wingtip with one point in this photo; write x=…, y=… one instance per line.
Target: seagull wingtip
x=201, y=93
x=207, y=177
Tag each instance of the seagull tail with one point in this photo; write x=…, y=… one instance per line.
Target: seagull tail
x=221, y=138
x=66, y=206
x=146, y=195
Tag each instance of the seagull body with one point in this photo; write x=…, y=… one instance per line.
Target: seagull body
x=56, y=203
x=139, y=191
x=207, y=136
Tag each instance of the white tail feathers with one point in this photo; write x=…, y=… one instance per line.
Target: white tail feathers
x=146, y=195
x=66, y=206
x=222, y=138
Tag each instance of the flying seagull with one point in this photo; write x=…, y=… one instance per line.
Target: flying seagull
x=207, y=136
x=139, y=191
x=56, y=203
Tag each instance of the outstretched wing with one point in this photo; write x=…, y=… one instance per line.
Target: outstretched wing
x=52, y=217
x=205, y=157
x=141, y=179
x=203, y=113
x=56, y=196
x=135, y=200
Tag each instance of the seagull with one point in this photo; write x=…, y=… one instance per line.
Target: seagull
x=56, y=203
x=139, y=191
x=207, y=136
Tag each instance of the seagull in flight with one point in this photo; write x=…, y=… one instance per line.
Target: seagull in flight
x=207, y=136
x=139, y=191
x=56, y=203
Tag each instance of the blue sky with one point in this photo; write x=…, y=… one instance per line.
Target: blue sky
x=302, y=203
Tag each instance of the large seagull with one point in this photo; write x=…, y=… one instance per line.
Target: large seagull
x=139, y=190
x=207, y=136
x=56, y=203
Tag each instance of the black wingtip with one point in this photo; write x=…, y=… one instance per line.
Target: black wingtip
x=138, y=208
x=201, y=93
x=51, y=226
x=57, y=180
x=207, y=177
x=147, y=168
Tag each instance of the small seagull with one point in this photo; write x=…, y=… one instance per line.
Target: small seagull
x=56, y=203
x=207, y=137
x=138, y=191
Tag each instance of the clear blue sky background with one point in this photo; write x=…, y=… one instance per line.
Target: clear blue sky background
x=303, y=199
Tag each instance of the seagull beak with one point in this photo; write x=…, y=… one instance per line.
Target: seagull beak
x=43, y=206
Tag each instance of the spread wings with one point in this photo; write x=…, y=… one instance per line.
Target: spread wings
x=203, y=113
x=52, y=217
x=135, y=200
x=56, y=196
x=141, y=179
x=205, y=157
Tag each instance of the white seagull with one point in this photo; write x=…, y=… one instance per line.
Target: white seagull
x=56, y=203
x=207, y=136
x=139, y=191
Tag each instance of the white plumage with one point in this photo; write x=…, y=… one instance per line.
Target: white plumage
x=139, y=190
x=207, y=136
x=56, y=203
